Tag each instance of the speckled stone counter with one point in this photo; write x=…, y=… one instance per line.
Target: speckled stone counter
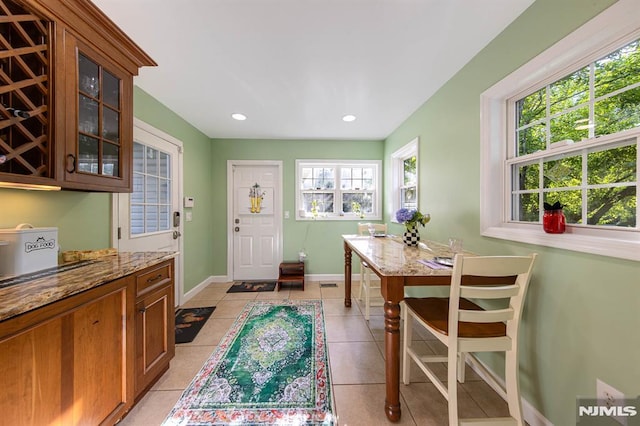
x=26, y=296
x=392, y=257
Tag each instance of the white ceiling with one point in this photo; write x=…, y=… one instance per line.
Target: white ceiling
x=295, y=67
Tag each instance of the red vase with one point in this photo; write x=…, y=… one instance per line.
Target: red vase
x=553, y=221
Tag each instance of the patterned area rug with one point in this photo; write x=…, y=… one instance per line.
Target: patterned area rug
x=270, y=369
x=249, y=286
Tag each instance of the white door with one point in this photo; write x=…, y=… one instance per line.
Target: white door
x=150, y=218
x=256, y=225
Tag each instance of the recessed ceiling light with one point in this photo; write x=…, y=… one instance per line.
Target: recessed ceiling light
x=238, y=116
x=349, y=118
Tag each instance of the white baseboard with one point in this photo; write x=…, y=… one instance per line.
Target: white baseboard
x=532, y=416
x=307, y=277
x=212, y=279
x=355, y=278
x=330, y=277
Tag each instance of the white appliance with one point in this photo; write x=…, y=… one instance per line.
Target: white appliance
x=26, y=249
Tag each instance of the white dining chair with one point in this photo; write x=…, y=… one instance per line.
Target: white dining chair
x=366, y=283
x=464, y=327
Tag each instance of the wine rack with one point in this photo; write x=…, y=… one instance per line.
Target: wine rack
x=25, y=148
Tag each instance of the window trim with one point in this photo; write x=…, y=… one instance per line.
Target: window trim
x=377, y=201
x=397, y=164
x=610, y=29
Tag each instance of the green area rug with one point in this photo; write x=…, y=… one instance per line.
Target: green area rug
x=270, y=369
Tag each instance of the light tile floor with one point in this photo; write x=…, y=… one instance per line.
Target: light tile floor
x=356, y=349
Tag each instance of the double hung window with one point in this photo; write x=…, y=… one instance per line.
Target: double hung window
x=565, y=128
x=575, y=142
x=338, y=189
x=404, y=164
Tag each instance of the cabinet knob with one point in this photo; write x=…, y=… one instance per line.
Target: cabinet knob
x=72, y=158
x=142, y=310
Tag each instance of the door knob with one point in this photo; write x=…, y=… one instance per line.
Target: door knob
x=176, y=235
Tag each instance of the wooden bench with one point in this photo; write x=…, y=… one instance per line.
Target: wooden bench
x=291, y=272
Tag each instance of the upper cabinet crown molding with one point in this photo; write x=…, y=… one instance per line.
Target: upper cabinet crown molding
x=85, y=19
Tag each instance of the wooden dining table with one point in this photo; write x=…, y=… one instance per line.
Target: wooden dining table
x=398, y=266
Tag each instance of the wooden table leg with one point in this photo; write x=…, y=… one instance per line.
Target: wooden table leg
x=392, y=359
x=393, y=292
x=347, y=275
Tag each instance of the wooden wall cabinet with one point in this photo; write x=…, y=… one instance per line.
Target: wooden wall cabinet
x=81, y=105
x=99, y=128
x=86, y=359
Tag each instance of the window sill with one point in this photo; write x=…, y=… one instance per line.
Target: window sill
x=623, y=249
x=321, y=218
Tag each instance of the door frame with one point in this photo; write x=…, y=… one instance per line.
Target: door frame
x=277, y=208
x=179, y=277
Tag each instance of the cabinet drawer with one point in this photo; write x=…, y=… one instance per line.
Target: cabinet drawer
x=152, y=278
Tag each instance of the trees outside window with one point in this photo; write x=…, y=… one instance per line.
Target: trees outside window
x=404, y=164
x=409, y=188
x=596, y=183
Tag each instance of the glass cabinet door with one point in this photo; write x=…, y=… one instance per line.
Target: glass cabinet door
x=99, y=112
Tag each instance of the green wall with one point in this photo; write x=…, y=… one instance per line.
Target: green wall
x=83, y=219
x=582, y=312
x=198, y=252
x=319, y=238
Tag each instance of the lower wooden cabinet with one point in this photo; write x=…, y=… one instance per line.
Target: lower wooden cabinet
x=155, y=335
x=102, y=389
x=31, y=371
x=84, y=360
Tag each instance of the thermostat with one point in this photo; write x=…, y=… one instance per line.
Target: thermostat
x=188, y=201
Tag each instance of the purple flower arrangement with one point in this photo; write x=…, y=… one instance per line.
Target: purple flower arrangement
x=412, y=218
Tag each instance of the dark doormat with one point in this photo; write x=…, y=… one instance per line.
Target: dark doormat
x=249, y=286
x=189, y=322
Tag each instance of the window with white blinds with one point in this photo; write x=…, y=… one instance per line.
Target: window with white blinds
x=151, y=198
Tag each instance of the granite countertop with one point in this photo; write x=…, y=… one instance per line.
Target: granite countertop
x=26, y=296
x=392, y=257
